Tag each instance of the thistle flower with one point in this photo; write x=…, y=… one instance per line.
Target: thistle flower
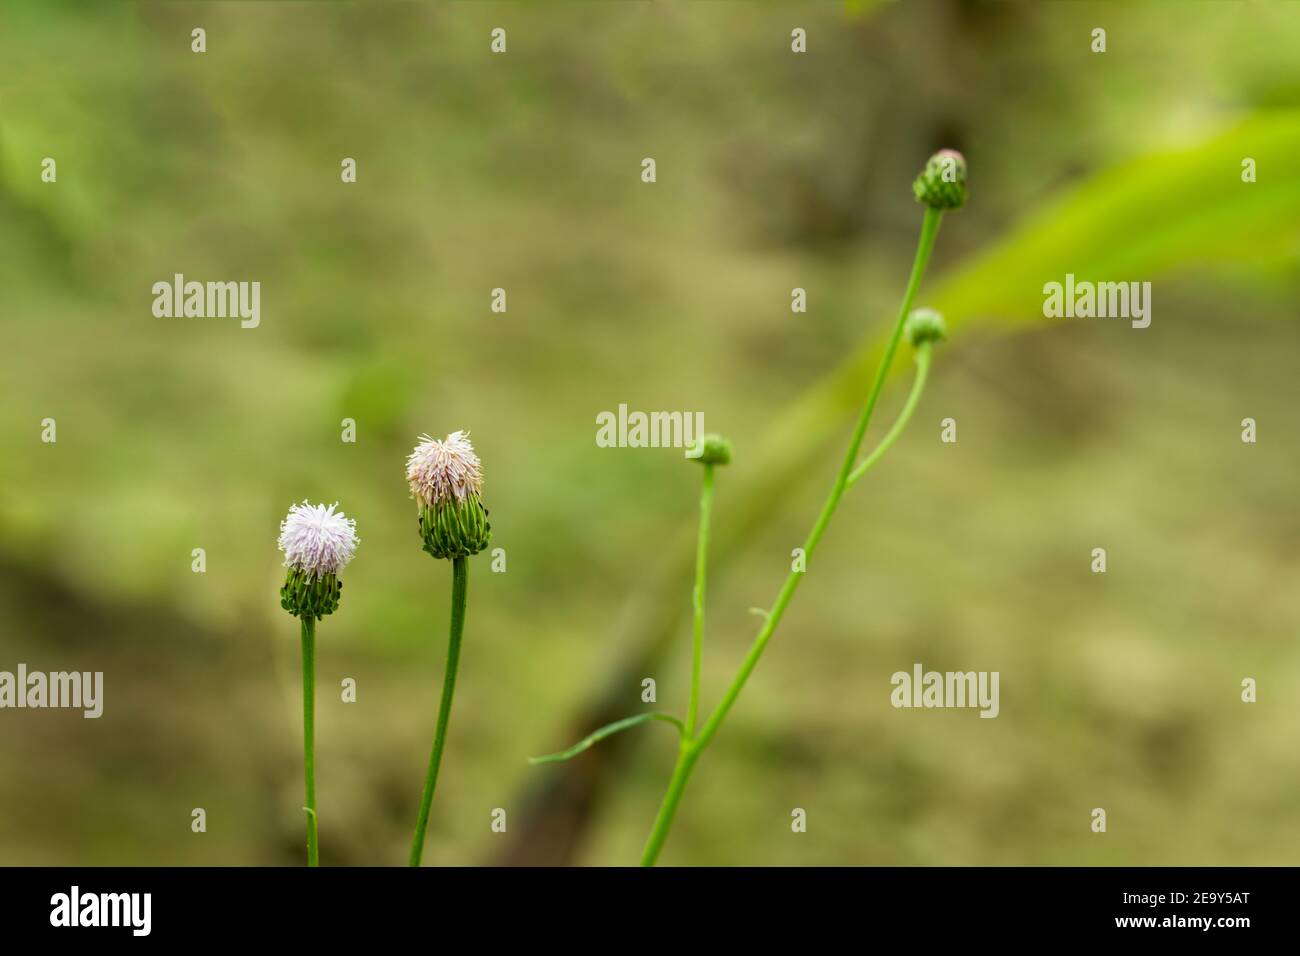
x=446, y=481
x=437, y=470
x=942, y=184
x=317, y=542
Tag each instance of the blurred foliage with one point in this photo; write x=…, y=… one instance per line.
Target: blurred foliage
x=775, y=171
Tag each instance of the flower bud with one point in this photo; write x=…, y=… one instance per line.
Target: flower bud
x=711, y=450
x=924, y=325
x=942, y=184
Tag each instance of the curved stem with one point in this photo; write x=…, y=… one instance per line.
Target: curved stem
x=459, y=588
x=691, y=750
x=924, y=353
x=309, y=734
x=701, y=569
x=596, y=736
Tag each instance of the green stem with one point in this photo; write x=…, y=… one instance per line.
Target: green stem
x=924, y=353
x=459, y=588
x=309, y=734
x=701, y=569
x=691, y=750
x=687, y=754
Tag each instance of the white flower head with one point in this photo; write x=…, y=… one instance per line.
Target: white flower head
x=317, y=539
x=444, y=470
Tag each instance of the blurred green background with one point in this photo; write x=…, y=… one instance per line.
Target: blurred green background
x=775, y=171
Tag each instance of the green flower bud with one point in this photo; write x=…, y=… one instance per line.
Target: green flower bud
x=942, y=184
x=452, y=528
x=924, y=325
x=711, y=450
x=308, y=596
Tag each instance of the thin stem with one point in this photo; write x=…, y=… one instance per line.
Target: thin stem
x=929, y=230
x=459, y=588
x=687, y=754
x=701, y=571
x=587, y=742
x=924, y=353
x=309, y=734
x=691, y=750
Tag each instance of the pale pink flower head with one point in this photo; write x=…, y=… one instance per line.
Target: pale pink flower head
x=317, y=540
x=439, y=471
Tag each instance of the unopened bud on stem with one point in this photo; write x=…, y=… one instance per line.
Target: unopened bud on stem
x=924, y=325
x=942, y=184
x=711, y=450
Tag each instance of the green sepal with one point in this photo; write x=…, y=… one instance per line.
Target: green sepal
x=310, y=596
x=455, y=529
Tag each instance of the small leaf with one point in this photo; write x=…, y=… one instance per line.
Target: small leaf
x=604, y=732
